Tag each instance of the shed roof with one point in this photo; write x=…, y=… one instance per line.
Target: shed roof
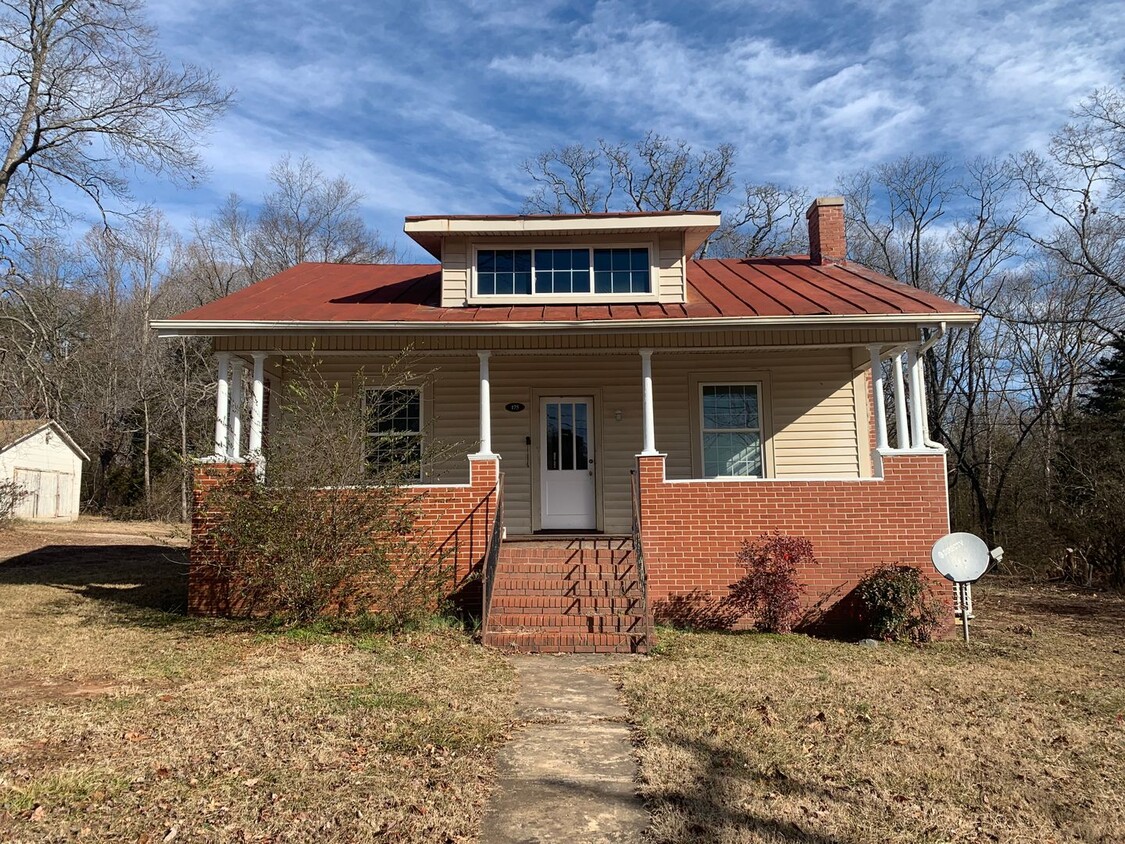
x=789, y=289
x=15, y=431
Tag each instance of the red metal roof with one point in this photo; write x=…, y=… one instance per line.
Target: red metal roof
x=787, y=287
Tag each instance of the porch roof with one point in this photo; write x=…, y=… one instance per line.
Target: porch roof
x=786, y=290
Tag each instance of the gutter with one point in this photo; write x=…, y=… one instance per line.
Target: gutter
x=212, y=327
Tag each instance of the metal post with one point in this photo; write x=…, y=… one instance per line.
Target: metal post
x=964, y=587
x=880, y=397
x=648, y=417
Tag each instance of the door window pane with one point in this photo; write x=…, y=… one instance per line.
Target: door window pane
x=552, y=435
x=566, y=431
x=581, y=448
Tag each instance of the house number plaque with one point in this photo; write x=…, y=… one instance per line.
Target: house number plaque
x=514, y=407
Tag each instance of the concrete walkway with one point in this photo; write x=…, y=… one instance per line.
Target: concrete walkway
x=568, y=774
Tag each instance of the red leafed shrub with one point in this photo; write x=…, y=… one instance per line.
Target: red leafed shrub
x=770, y=590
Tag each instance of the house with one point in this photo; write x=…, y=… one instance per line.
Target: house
x=646, y=411
x=46, y=464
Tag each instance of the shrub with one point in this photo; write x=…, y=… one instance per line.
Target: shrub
x=770, y=589
x=328, y=531
x=10, y=495
x=897, y=603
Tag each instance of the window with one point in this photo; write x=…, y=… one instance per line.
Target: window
x=394, y=431
x=731, y=430
x=585, y=271
x=621, y=271
x=503, y=272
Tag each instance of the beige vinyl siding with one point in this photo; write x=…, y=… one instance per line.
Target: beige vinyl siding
x=454, y=271
x=673, y=281
x=809, y=411
x=667, y=252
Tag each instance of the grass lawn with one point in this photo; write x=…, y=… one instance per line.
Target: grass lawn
x=123, y=720
x=1020, y=738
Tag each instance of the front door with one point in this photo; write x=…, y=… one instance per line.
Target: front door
x=567, y=464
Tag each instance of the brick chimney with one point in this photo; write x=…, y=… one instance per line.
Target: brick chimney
x=827, y=244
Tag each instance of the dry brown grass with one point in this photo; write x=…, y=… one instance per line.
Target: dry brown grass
x=123, y=720
x=752, y=738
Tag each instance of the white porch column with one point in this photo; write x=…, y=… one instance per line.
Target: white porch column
x=257, y=404
x=902, y=424
x=648, y=417
x=234, y=446
x=917, y=405
x=880, y=397
x=222, y=403
x=485, y=408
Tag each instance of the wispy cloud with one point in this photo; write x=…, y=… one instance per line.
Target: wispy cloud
x=431, y=105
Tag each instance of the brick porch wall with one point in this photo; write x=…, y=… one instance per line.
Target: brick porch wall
x=691, y=531
x=455, y=523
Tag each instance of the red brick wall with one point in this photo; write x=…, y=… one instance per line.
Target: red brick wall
x=827, y=241
x=455, y=523
x=691, y=532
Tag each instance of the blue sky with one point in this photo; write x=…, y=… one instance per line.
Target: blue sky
x=429, y=106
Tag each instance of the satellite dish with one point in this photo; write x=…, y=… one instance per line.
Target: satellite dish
x=961, y=557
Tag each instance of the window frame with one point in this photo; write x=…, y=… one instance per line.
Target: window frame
x=760, y=380
x=703, y=431
x=477, y=298
x=420, y=391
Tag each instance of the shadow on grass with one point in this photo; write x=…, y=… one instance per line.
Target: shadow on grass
x=712, y=804
x=143, y=585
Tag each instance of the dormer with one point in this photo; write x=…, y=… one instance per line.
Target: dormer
x=628, y=257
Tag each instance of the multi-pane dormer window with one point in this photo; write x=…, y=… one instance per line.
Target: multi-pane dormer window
x=594, y=271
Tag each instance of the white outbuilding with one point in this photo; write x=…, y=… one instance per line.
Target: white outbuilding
x=42, y=458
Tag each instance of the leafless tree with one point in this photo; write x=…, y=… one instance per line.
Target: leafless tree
x=311, y=217
x=1079, y=183
x=85, y=95
x=770, y=220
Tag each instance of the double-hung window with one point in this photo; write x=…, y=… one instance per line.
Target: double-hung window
x=394, y=432
x=586, y=271
x=732, y=430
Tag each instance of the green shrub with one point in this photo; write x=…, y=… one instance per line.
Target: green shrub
x=896, y=603
x=770, y=590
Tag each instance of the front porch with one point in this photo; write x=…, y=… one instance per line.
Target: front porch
x=568, y=421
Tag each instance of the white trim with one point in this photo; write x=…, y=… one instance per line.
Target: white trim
x=591, y=297
x=182, y=328
x=562, y=224
x=57, y=428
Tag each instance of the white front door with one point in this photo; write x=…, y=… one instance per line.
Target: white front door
x=566, y=466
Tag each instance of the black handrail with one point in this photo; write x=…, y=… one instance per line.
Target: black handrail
x=492, y=553
x=638, y=547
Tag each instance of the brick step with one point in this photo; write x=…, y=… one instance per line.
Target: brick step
x=562, y=557
x=515, y=623
x=571, y=603
x=554, y=642
x=537, y=571
x=584, y=543
x=567, y=589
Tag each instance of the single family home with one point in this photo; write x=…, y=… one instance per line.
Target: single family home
x=631, y=413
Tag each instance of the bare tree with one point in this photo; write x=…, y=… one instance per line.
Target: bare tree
x=654, y=174
x=1080, y=184
x=84, y=96
x=311, y=217
x=770, y=220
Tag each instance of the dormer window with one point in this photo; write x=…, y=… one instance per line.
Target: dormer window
x=620, y=273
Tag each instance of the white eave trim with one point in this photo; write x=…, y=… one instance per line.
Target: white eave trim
x=182, y=328
x=445, y=226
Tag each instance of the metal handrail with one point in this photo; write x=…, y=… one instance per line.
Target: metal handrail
x=638, y=547
x=492, y=553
